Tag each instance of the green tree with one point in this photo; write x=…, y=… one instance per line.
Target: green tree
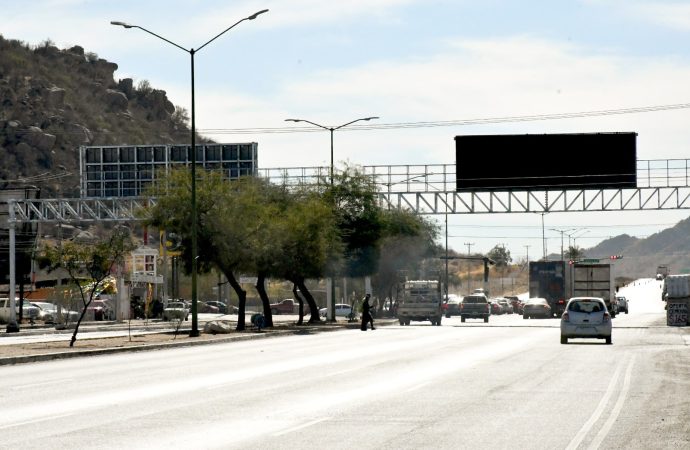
x=358, y=217
x=407, y=240
x=224, y=225
x=500, y=255
x=88, y=259
x=574, y=253
x=309, y=244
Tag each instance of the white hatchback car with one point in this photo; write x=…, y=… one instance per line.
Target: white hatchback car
x=586, y=317
x=341, y=310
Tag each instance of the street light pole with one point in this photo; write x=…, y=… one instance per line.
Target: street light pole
x=330, y=312
x=195, y=322
x=562, y=232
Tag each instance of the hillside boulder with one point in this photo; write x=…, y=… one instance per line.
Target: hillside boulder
x=115, y=100
x=37, y=138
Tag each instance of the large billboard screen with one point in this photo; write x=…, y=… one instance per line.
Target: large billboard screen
x=546, y=161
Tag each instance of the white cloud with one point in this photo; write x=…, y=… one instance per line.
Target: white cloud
x=674, y=15
x=469, y=79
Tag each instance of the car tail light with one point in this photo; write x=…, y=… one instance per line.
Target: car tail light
x=561, y=302
x=565, y=317
x=607, y=317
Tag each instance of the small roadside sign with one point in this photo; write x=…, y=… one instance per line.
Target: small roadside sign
x=248, y=280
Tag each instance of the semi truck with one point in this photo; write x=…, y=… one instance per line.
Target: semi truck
x=551, y=280
x=595, y=280
x=676, y=293
x=421, y=300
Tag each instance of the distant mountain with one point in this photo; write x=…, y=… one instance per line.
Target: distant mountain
x=52, y=101
x=642, y=256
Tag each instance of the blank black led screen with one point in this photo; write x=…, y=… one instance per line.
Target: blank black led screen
x=546, y=161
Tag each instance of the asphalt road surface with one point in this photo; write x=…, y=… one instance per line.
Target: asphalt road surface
x=510, y=384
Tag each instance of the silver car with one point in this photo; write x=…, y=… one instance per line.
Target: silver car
x=622, y=304
x=176, y=311
x=586, y=317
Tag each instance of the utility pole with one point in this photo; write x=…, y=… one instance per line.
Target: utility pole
x=468, y=244
x=562, y=233
x=527, y=249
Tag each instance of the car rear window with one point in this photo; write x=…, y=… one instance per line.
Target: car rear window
x=587, y=306
x=474, y=299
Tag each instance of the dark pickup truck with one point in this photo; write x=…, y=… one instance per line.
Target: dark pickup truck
x=475, y=306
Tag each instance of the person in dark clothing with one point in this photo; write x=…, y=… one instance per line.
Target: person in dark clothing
x=366, y=314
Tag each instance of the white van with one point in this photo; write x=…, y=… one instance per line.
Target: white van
x=30, y=311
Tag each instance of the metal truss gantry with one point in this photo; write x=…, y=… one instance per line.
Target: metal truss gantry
x=423, y=189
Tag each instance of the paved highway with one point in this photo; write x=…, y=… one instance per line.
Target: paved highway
x=507, y=385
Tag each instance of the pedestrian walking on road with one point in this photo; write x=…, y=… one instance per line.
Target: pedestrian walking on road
x=366, y=314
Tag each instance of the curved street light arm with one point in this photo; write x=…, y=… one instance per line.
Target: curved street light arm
x=126, y=25
x=308, y=121
x=252, y=17
x=356, y=120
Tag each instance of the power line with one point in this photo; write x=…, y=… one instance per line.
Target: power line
x=459, y=122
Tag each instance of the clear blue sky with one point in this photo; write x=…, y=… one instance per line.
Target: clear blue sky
x=405, y=61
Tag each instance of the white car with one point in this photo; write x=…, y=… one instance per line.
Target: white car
x=341, y=310
x=586, y=317
x=622, y=303
x=49, y=313
x=176, y=310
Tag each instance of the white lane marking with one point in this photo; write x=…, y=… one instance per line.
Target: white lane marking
x=42, y=419
x=419, y=386
x=616, y=409
x=299, y=427
x=44, y=383
x=577, y=440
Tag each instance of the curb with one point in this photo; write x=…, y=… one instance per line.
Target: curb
x=247, y=335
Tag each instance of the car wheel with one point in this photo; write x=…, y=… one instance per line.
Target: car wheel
x=608, y=340
x=407, y=322
x=462, y=318
x=564, y=340
x=486, y=320
x=402, y=322
x=525, y=316
x=275, y=312
x=626, y=311
x=447, y=316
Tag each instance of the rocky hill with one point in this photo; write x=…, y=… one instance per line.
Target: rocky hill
x=55, y=100
x=641, y=256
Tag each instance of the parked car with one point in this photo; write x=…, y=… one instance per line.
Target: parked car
x=586, y=317
x=536, y=307
x=222, y=307
x=206, y=308
x=101, y=310
x=48, y=313
x=496, y=307
x=622, y=304
x=176, y=310
x=287, y=306
x=505, y=304
x=514, y=302
x=29, y=312
x=341, y=310
x=451, y=305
